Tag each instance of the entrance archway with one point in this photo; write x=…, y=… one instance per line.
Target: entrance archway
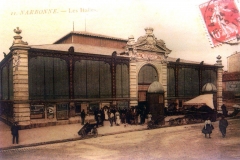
x=146, y=76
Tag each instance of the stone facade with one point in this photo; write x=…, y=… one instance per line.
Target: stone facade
x=125, y=87
x=146, y=50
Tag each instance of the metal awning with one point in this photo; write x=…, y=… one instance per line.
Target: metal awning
x=205, y=99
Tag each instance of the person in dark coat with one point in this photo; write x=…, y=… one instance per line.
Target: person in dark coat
x=102, y=115
x=99, y=117
x=208, y=127
x=223, y=123
x=14, y=130
x=96, y=117
x=111, y=118
x=224, y=110
x=83, y=115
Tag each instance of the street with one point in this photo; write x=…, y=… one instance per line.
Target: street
x=179, y=142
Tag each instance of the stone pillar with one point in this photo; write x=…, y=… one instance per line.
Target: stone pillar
x=164, y=81
x=21, y=106
x=133, y=84
x=219, y=82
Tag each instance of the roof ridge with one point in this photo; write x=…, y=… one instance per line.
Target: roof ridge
x=97, y=34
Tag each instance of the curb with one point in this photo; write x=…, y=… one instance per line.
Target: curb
x=100, y=135
x=71, y=139
x=65, y=140
x=39, y=144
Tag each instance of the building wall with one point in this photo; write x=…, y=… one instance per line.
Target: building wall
x=50, y=87
x=231, y=81
x=234, y=63
x=231, y=85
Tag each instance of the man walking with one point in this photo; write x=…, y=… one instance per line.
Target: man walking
x=111, y=118
x=14, y=130
x=223, y=123
x=83, y=115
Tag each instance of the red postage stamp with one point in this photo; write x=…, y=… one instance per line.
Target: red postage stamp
x=221, y=19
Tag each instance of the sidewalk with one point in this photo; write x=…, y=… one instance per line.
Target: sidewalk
x=59, y=133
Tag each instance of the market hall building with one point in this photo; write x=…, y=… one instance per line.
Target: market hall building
x=48, y=84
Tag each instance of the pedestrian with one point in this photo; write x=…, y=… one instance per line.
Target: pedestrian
x=117, y=115
x=223, y=123
x=99, y=117
x=96, y=117
x=106, y=113
x=83, y=115
x=123, y=118
x=149, y=117
x=142, y=118
x=14, y=130
x=208, y=127
x=128, y=116
x=224, y=110
x=135, y=117
x=111, y=118
x=102, y=116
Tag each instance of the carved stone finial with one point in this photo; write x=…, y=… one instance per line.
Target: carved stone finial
x=18, y=38
x=130, y=47
x=219, y=61
x=219, y=57
x=131, y=40
x=17, y=31
x=149, y=30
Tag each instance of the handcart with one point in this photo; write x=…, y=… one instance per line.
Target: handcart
x=89, y=129
x=157, y=122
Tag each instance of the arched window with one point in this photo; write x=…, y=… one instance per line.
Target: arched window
x=147, y=75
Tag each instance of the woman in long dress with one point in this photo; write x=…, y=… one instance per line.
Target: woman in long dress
x=207, y=129
x=118, y=121
x=106, y=113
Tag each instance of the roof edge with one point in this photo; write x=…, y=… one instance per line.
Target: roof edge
x=91, y=35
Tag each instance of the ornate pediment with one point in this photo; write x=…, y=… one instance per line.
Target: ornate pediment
x=151, y=43
x=147, y=46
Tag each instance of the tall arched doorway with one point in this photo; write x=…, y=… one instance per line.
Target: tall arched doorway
x=146, y=76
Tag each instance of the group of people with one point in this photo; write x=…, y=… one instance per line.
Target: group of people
x=118, y=116
x=136, y=116
x=131, y=116
x=208, y=127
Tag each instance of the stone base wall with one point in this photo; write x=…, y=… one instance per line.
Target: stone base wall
x=43, y=123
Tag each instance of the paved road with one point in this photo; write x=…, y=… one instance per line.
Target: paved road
x=180, y=142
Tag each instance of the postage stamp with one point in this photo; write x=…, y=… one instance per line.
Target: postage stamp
x=221, y=19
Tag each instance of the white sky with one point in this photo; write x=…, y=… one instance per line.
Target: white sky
x=177, y=22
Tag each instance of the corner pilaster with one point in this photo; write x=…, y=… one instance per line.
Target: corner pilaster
x=21, y=106
x=133, y=84
x=219, y=82
x=164, y=82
